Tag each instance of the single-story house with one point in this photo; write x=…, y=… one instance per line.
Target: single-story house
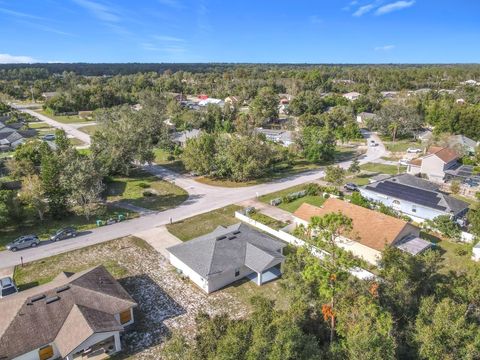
x=180, y=138
x=415, y=197
x=389, y=94
x=476, y=252
x=471, y=82
x=364, y=117
x=205, y=102
x=352, y=95
x=371, y=230
x=463, y=143
x=231, y=100
x=72, y=317
x=47, y=95
x=424, y=135
x=434, y=163
x=228, y=254
x=283, y=137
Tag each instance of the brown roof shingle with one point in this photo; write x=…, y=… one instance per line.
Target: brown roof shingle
x=369, y=228
x=445, y=154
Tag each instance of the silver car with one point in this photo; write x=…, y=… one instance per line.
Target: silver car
x=7, y=287
x=23, y=242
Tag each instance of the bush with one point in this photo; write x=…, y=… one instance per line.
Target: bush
x=144, y=185
x=461, y=252
x=313, y=189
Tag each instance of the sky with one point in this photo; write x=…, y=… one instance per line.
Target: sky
x=245, y=31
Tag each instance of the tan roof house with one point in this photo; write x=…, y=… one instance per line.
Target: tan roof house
x=72, y=317
x=434, y=164
x=371, y=230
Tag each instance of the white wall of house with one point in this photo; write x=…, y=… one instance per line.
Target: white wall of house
x=33, y=355
x=366, y=253
x=191, y=274
x=225, y=278
x=95, y=339
x=413, y=169
x=417, y=212
x=117, y=317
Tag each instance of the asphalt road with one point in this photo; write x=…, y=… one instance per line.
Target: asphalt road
x=202, y=198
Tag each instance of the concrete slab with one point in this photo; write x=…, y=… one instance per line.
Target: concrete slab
x=159, y=238
x=8, y=271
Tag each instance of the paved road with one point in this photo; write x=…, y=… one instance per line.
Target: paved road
x=202, y=198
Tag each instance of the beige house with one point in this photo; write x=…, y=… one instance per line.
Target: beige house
x=434, y=163
x=352, y=95
x=371, y=230
x=75, y=316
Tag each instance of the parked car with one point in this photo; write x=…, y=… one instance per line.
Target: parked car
x=351, y=187
x=23, y=242
x=49, y=137
x=404, y=162
x=372, y=143
x=7, y=287
x=414, y=150
x=64, y=233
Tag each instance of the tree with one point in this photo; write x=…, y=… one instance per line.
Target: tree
x=335, y=175
x=354, y=166
x=358, y=199
x=474, y=221
x=265, y=106
x=199, y=154
x=455, y=187
x=397, y=120
x=445, y=225
x=33, y=195
x=50, y=173
x=317, y=144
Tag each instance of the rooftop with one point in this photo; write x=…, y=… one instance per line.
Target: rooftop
x=445, y=154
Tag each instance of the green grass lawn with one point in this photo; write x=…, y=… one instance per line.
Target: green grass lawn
x=294, y=205
x=382, y=168
x=204, y=223
x=267, y=220
x=44, y=229
x=76, y=142
x=89, y=129
x=38, y=125
x=162, y=159
x=73, y=119
x=146, y=191
x=361, y=179
x=402, y=145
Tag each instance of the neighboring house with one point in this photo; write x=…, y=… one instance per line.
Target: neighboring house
x=476, y=252
x=180, y=138
x=463, y=143
x=285, y=99
x=389, y=94
x=364, y=117
x=460, y=101
x=228, y=254
x=434, y=163
x=231, y=100
x=352, y=95
x=415, y=197
x=371, y=230
x=283, y=137
x=205, y=102
x=202, y=97
x=49, y=94
x=75, y=316
x=470, y=82
x=424, y=135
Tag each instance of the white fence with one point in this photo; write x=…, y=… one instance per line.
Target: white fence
x=289, y=238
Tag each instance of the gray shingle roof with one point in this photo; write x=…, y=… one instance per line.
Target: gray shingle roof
x=229, y=248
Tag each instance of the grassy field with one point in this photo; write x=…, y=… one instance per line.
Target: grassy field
x=360, y=179
x=402, y=145
x=382, y=168
x=162, y=158
x=88, y=129
x=294, y=205
x=146, y=191
x=73, y=119
x=267, y=220
x=204, y=223
x=44, y=229
x=37, y=125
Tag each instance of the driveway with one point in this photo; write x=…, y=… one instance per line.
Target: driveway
x=202, y=198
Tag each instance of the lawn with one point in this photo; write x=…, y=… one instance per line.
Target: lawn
x=294, y=205
x=38, y=125
x=361, y=179
x=44, y=229
x=402, y=145
x=162, y=159
x=267, y=220
x=73, y=119
x=382, y=168
x=145, y=190
x=76, y=142
x=89, y=129
x=204, y=223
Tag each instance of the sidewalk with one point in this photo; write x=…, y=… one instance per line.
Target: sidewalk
x=159, y=238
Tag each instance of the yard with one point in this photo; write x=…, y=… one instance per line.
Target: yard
x=204, y=223
x=295, y=204
x=402, y=145
x=166, y=302
x=88, y=129
x=146, y=191
x=383, y=168
x=162, y=158
x=267, y=220
x=72, y=119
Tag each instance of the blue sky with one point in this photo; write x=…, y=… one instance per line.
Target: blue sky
x=300, y=31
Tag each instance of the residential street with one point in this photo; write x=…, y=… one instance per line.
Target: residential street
x=203, y=198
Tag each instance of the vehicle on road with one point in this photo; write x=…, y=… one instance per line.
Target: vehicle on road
x=23, y=242
x=49, y=137
x=404, y=162
x=414, y=150
x=351, y=187
x=64, y=233
x=7, y=287
x=372, y=143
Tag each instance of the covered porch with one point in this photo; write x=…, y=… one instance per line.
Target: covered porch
x=266, y=276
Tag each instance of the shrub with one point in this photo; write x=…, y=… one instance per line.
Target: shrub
x=144, y=185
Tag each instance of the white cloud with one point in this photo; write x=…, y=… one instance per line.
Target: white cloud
x=12, y=59
x=384, y=48
x=100, y=11
x=399, y=5
x=362, y=10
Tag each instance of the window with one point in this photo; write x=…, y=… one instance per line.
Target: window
x=46, y=352
x=125, y=316
x=237, y=272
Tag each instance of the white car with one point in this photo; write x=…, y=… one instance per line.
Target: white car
x=414, y=150
x=404, y=162
x=372, y=143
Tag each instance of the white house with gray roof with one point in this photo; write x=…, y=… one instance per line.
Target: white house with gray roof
x=228, y=254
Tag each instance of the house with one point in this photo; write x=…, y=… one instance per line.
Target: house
x=283, y=137
x=228, y=254
x=471, y=82
x=365, y=117
x=202, y=97
x=424, y=135
x=476, y=252
x=352, y=95
x=213, y=101
x=371, y=230
x=460, y=101
x=463, y=143
x=73, y=317
x=231, y=100
x=180, y=138
x=389, y=94
x=434, y=164
x=415, y=197
x=49, y=94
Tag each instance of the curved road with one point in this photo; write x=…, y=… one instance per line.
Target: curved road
x=202, y=198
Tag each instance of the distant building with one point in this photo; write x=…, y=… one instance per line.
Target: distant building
x=364, y=117
x=49, y=94
x=463, y=143
x=283, y=137
x=180, y=138
x=460, y=101
x=389, y=94
x=205, y=102
x=471, y=82
x=352, y=95
x=231, y=100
